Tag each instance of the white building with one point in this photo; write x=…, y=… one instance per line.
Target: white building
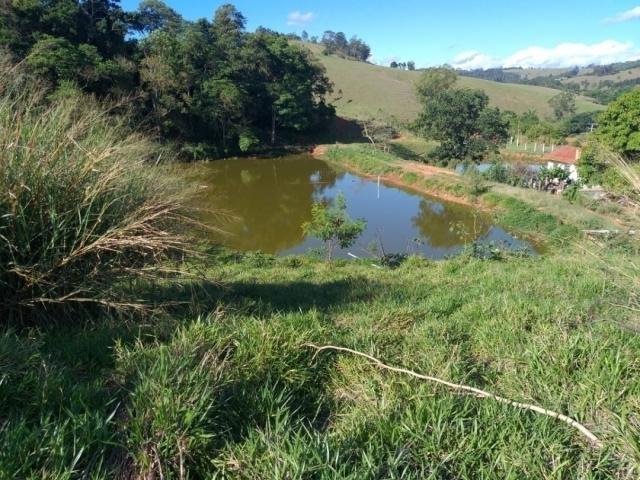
x=565, y=157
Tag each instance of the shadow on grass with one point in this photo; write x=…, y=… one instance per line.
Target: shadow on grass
x=263, y=298
x=341, y=130
x=405, y=153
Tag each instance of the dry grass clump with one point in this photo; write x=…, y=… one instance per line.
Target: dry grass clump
x=80, y=207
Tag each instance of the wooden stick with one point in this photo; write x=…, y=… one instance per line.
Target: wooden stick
x=595, y=441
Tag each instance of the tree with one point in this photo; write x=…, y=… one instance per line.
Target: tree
x=527, y=121
x=580, y=123
x=294, y=86
x=341, y=42
x=544, y=132
x=592, y=165
x=393, y=64
x=378, y=132
x=619, y=125
x=228, y=26
x=493, y=127
x=329, y=42
x=461, y=122
x=333, y=226
x=78, y=40
x=208, y=85
x=153, y=15
x=433, y=81
x=411, y=65
x=563, y=104
x=304, y=36
x=57, y=59
x=358, y=49
x=337, y=43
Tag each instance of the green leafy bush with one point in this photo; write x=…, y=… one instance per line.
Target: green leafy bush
x=248, y=141
x=497, y=172
x=333, y=226
x=592, y=166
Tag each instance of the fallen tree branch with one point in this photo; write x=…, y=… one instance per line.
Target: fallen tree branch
x=595, y=441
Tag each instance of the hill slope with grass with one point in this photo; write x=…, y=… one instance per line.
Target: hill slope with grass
x=132, y=356
x=365, y=90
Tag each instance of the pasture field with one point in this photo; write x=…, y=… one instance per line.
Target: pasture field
x=363, y=90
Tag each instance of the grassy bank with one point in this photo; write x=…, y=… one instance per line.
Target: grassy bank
x=224, y=385
x=536, y=214
x=221, y=381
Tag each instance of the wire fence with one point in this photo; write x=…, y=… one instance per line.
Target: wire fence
x=531, y=148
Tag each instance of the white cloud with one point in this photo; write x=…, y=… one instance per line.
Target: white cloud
x=473, y=59
x=563, y=55
x=629, y=15
x=300, y=19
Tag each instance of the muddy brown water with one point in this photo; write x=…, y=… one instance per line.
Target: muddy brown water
x=268, y=200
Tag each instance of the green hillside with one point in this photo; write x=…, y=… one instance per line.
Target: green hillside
x=362, y=90
x=594, y=80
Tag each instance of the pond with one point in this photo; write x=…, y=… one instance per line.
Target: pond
x=269, y=199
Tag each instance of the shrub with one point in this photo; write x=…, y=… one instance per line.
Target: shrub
x=248, y=141
x=410, y=178
x=497, y=172
x=333, y=226
x=552, y=173
x=477, y=185
x=592, y=165
x=80, y=210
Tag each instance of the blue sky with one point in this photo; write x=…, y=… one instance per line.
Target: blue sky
x=466, y=33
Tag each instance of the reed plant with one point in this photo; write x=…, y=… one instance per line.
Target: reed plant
x=81, y=207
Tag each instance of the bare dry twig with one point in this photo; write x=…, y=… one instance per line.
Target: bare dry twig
x=595, y=441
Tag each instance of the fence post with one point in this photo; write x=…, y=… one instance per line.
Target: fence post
x=535, y=147
x=543, y=145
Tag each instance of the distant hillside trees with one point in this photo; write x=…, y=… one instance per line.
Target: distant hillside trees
x=208, y=85
x=580, y=123
x=494, y=75
x=460, y=119
x=563, y=104
x=336, y=43
x=403, y=65
x=529, y=127
x=605, y=91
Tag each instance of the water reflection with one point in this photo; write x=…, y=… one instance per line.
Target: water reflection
x=447, y=224
x=271, y=199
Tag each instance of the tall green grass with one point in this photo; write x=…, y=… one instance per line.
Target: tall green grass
x=234, y=393
x=80, y=207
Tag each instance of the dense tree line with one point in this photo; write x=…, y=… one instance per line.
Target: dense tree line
x=209, y=84
x=493, y=74
x=337, y=43
x=605, y=92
